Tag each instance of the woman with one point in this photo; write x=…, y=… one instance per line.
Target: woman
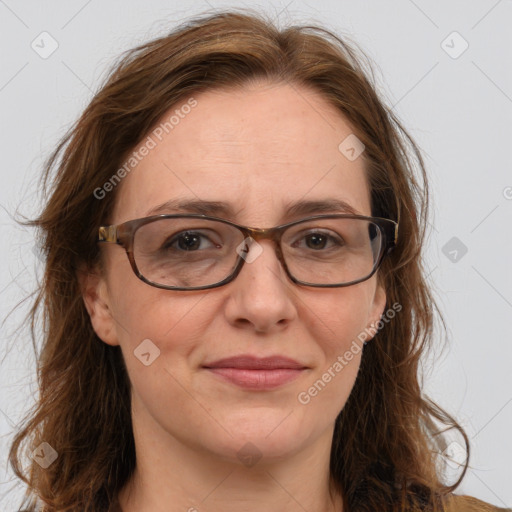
x=234, y=297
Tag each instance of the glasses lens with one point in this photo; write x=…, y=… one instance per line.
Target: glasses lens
x=191, y=252
x=332, y=251
x=186, y=252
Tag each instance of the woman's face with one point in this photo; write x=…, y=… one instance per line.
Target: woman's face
x=258, y=150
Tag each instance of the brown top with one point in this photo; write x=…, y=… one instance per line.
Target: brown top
x=456, y=503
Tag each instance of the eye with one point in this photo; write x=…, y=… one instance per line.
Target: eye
x=188, y=241
x=318, y=240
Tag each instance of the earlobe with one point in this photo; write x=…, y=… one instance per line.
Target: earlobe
x=96, y=300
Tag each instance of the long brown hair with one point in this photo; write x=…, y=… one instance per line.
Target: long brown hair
x=387, y=437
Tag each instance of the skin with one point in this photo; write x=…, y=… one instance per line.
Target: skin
x=257, y=148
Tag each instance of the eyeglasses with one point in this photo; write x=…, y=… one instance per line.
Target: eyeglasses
x=196, y=252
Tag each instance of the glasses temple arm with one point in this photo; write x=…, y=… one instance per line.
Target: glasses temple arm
x=107, y=234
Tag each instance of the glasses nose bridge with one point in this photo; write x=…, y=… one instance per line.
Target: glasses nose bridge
x=259, y=234
x=274, y=234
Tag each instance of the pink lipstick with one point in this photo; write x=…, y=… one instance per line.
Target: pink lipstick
x=255, y=373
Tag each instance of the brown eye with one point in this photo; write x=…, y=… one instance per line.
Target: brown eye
x=318, y=240
x=189, y=241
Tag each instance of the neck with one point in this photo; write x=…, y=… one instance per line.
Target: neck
x=172, y=476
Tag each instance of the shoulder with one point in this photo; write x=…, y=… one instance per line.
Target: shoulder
x=456, y=503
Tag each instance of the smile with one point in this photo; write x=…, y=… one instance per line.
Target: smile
x=254, y=373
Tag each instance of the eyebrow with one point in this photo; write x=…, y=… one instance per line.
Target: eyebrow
x=225, y=210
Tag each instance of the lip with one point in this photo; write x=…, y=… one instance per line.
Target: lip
x=255, y=373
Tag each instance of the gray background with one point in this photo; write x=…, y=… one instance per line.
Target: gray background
x=457, y=105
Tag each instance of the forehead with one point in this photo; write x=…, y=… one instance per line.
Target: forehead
x=259, y=148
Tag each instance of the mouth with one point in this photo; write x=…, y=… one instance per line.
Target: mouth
x=250, y=372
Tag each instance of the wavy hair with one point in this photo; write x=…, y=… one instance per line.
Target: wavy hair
x=388, y=437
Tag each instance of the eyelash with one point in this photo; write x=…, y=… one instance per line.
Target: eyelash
x=175, y=238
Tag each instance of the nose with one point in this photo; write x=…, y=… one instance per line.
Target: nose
x=261, y=296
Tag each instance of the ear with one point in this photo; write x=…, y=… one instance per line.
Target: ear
x=377, y=309
x=96, y=299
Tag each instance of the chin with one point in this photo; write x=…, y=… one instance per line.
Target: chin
x=275, y=435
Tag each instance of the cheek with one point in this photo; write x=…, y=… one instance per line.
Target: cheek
x=141, y=311
x=173, y=324
x=339, y=317
x=336, y=324
x=160, y=336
